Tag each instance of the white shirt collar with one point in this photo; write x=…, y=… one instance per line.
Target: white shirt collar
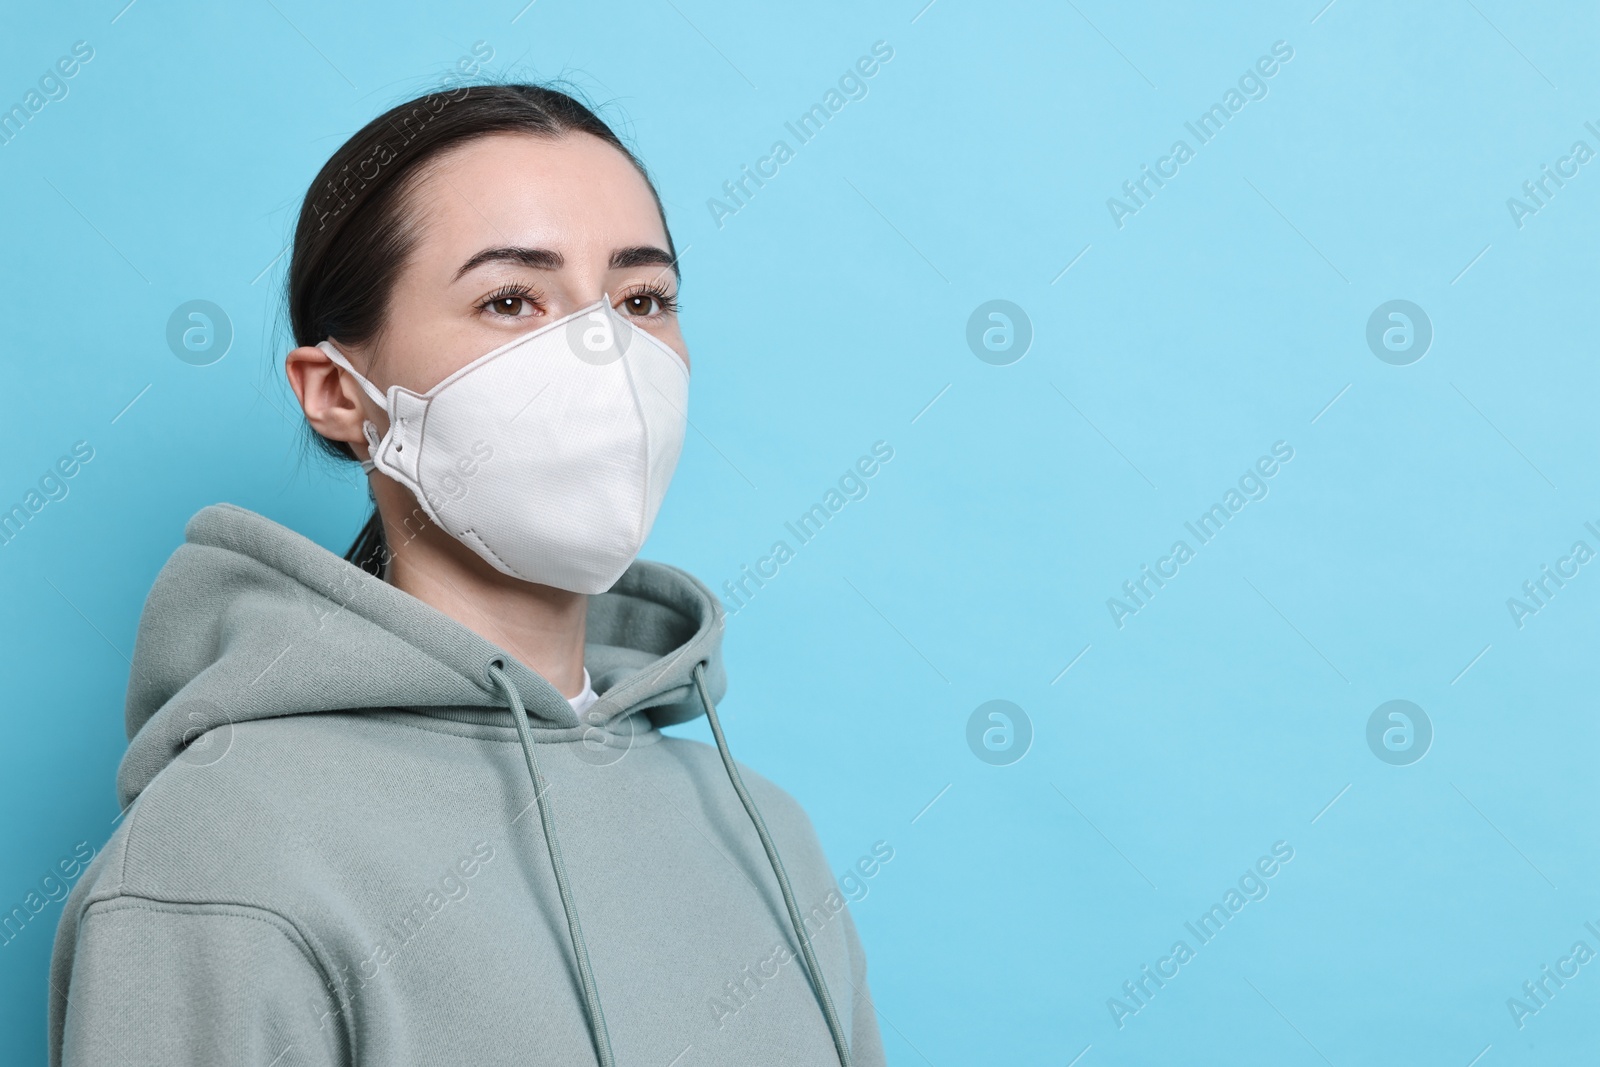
x=586, y=697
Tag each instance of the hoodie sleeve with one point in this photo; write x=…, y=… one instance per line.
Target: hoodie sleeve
x=185, y=985
x=866, y=1045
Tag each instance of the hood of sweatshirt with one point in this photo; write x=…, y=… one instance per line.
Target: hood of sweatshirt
x=250, y=620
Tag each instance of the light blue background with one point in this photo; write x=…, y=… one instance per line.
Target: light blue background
x=826, y=315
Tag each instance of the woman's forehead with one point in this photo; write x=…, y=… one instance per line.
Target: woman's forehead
x=575, y=194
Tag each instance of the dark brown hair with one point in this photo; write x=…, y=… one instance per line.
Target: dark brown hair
x=355, y=232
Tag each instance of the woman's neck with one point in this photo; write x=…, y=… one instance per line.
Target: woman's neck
x=543, y=627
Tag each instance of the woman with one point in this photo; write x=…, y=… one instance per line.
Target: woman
x=414, y=806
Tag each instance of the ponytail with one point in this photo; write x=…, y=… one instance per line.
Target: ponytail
x=370, y=550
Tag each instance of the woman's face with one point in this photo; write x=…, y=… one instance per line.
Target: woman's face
x=513, y=232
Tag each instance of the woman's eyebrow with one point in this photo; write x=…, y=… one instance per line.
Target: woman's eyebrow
x=643, y=256
x=549, y=259
x=537, y=258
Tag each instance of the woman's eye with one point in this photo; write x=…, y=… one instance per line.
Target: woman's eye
x=507, y=306
x=641, y=304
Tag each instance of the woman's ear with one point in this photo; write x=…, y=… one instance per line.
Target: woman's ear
x=333, y=402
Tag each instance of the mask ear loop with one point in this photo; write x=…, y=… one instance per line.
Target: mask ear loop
x=368, y=430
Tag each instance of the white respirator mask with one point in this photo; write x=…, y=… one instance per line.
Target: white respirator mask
x=548, y=456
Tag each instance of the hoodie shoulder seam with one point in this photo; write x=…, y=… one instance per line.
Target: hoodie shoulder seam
x=291, y=931
x=127, y=841
x=125, y=901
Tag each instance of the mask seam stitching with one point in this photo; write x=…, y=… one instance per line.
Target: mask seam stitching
x=509, y=569
x=645, y=492
x=421, y=492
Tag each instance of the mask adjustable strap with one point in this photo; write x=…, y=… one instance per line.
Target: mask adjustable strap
x=367, y=428
x=371, y=432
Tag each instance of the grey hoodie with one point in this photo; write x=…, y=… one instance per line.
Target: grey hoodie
x=335, y=851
